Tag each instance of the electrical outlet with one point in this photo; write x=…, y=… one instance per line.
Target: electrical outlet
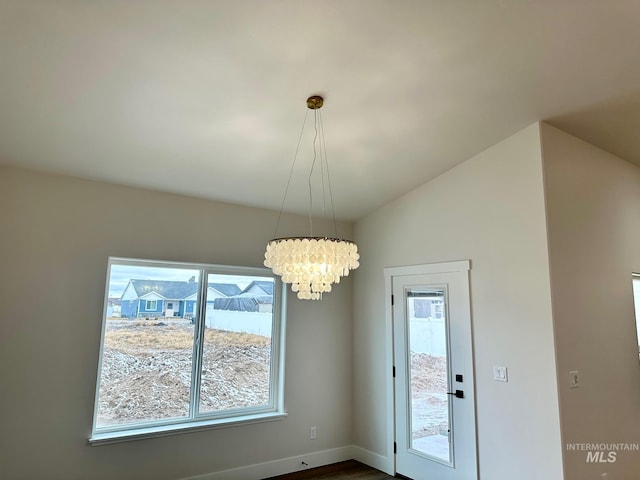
x=314, y=433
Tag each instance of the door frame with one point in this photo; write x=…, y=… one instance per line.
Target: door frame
x=389, y=273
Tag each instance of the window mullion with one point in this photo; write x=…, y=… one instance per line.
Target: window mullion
x=198, y=341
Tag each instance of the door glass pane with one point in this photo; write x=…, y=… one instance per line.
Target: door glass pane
x=236, y=355
x=429, y=373
x=145, y=373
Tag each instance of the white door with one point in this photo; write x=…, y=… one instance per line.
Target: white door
x=169, y=311
x=435, y=429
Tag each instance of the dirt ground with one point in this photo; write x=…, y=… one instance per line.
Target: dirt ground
x=146, y=374
x=428, y=373
x=429, y=399
x=146, y=371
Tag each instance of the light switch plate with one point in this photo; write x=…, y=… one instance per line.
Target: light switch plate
x=574, y=379
x=500, y=374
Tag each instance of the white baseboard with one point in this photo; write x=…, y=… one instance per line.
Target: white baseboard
x=375, y=460
x=282, y=466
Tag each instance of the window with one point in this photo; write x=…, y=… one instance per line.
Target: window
x=215, y=358
x=151, y=305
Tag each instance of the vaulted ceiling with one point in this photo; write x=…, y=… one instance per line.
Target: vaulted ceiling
x=207, y=98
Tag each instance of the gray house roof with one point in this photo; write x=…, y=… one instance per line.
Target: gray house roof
x=174, y=290
x=228, y=289
x=265, y=285
x=168, y=289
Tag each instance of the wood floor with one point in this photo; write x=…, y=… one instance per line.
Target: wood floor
x=348, y=470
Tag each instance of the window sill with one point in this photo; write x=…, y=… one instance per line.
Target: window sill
x=180, y=428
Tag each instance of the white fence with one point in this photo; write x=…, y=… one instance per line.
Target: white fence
x=244, y=322
x=427, y=336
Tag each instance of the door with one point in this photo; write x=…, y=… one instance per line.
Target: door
x=435, y=430
x=169, y=311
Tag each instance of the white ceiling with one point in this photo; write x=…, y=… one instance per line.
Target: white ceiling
x=207, y=98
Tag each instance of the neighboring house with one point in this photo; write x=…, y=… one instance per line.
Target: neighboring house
x=262, y=293
x=113, y=307
x=427, y=308
x=259, y=287
x=256, y=297
x=162, y=298
x=237, y=304
x=222, y=290
x=250, y=311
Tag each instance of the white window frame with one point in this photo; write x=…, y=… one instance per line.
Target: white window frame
x=274, y=410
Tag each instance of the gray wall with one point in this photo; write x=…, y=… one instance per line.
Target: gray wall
x=489, y=209
x=57, y=233
x=593, y=210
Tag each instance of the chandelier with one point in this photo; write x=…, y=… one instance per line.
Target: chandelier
x=312, y=264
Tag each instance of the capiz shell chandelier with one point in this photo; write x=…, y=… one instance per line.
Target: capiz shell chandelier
x=312, y=264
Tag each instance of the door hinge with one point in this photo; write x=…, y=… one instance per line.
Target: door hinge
x=392, y=302
x=395, y=447
x=394, y=371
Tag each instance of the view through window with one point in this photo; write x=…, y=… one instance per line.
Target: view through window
x=636, y=300
x=187, y=343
